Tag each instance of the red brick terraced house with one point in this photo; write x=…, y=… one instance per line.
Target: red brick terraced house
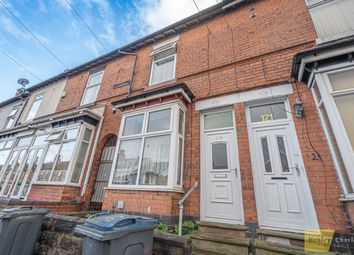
x=249, y=99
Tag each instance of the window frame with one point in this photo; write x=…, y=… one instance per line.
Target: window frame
x=12, y=116
x=88, y=86
x=340, y=134
x=36, y=149
x=330, y=38
x=36, y=99
x=70, y=169
x=157, y=51
x=171, y=185
x=5, y=148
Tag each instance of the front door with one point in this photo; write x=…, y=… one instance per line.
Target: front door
x=221, y=185
x=11, y=171
x=25, y=177
x=283, y=194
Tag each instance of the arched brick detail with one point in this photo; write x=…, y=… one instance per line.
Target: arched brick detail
x=95, y=166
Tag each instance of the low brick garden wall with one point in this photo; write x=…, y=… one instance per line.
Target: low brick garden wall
x=58, y=238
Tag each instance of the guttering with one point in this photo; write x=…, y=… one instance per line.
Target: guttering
x=320, y=53
x=172, y=29
x=46, y=120
x=235, y=4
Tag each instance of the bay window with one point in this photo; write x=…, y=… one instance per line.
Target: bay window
x=334, y=95
x=150, y=149
x=5, y=148
x=66, y=154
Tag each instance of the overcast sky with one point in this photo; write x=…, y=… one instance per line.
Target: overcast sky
x=54, y=22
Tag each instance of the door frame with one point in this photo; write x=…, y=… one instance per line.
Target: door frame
x=202, y=159
x=289, y=121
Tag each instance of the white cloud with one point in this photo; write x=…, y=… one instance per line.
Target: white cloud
x=63, y=4
x=42, y=6
x=91, y=44
x=47, y=41
x=9, y=26
x=109, y=33
x=157, y=14
x=104, y=8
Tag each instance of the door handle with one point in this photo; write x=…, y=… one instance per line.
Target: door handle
x=297, y=169
x=234, y=169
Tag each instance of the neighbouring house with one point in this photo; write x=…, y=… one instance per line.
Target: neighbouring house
x=250, y=99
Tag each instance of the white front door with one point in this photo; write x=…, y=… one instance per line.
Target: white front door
x=283, y=194
x=221, y=186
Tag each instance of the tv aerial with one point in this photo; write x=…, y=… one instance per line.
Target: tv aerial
x=23, y=92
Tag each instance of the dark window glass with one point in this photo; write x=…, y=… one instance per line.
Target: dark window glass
x=266, y=155
x=282, y=154
x=219, y=156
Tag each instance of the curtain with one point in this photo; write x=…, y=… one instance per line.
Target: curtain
x=154, y=169
x=128, y=162
x=163, y=70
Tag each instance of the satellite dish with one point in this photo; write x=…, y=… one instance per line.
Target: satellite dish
x=22, y=92
x=23, y=82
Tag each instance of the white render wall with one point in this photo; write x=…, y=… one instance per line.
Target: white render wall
x=5, y=111
x=51, y=97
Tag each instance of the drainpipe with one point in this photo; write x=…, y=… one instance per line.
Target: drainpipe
x=133, y=70
x=93, y=154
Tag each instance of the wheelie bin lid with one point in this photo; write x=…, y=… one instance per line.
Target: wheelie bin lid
x=107, y=226
x=18, y=211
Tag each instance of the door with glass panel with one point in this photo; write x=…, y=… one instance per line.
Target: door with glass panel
x=221, y=194
x=25, y=177
x=11, y=171
x=283, y=195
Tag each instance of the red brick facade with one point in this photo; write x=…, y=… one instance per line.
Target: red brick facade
x=240, y=53
x=53, y=193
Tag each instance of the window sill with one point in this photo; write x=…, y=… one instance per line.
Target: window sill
x=56, y=184
x=348, y=198
x=160, y=84
x=177, y=190
x=86, y=106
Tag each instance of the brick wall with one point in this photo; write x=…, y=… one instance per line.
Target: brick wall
x=58, y=237
x=144, y=202
x=53, y=193
x=244, y=53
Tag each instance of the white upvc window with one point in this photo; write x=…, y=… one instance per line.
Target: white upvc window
x=163, y=66
x=5, y=149
x=10, y=121
x=150, y=147
x=92, y=88
x=34, y=107
x=333, y=19
x=334, y=94
x=66, y=155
